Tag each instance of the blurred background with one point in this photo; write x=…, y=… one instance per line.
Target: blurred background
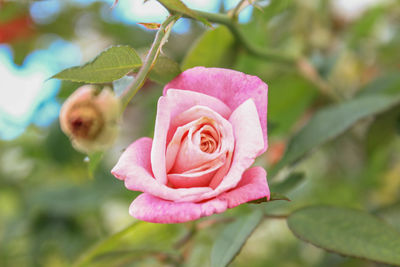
x=51, y=211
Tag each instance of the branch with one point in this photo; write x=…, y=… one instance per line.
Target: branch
x=187, y=237
x=233, y=26
x=151, y=58
x=300, y=64
x=237, y=9
x=307, y=71
x=274, y=216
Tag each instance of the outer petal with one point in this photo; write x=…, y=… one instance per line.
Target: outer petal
x=169, y=106
x=253, y=186
x=232, y=87
x=152, y=209
x=135, y=160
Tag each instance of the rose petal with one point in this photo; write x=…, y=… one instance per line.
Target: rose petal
x=169, y=107
x=215, y=165
x=153, y=209
x=220, y=174
x=135, y=157
x=252, y=186
x=197, y=177
x=249, y=143
x=156, y=210
x=134, y=168
x=183, y=154
x=232, y=87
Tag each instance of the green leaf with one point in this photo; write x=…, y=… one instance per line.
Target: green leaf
x=232, y=239
x=140, y=237
x=276, y=7
x=291, y=96
x=383, y=130
x=288, y=183
x=331, y=122
x=379, y=143
x=180, y=7
x=215, y=48
x=397, y=125
x=164, y=70
x=391, y=214
x=67, y=199
x=347, y=232
x=110, y=65
x=387, y=84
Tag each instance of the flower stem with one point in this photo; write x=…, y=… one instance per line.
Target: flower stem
x=148, y=63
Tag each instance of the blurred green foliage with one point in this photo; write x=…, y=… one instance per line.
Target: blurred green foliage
x=51, y=212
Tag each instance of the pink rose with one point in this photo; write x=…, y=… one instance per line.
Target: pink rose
x=211, y=124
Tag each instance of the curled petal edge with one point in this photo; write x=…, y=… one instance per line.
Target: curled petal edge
x=149, y=208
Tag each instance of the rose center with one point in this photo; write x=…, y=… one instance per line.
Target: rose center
x=207, y=142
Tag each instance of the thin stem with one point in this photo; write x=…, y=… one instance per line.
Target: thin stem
x=187, y=237
x=211, y=222
x=237, y=9
x=273, y=216
x=151, y=58
x=240, y=37
x=307, y=70
x=300, y=64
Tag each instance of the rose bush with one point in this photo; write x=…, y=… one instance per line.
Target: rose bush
x=211, y=124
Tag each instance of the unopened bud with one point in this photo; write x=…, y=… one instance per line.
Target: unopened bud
x=90, y=119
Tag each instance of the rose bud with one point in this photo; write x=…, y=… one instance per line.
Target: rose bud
x=90, y=119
